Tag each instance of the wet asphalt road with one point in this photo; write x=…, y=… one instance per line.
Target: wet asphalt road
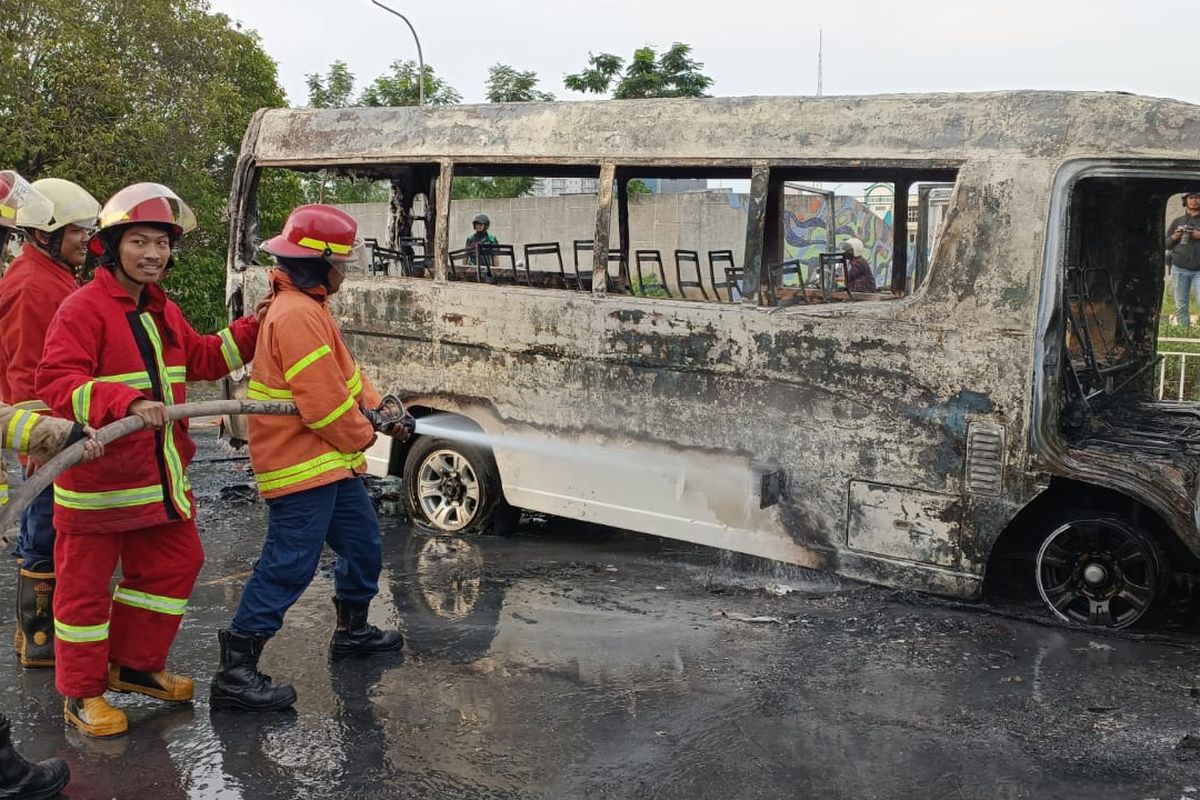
x=574, y=662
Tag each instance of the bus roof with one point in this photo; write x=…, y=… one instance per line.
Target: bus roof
x=928, y=128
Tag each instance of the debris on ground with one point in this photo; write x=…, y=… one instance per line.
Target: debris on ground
x=761, y=619
x=239, y=493
x=1188, y=748
x=387, y=495
x=778, y=589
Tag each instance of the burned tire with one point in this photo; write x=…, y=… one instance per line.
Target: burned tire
x=1099, y=569
x=454, y=488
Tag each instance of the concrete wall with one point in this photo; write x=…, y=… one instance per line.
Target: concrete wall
x=664, y=222
x=701, y=221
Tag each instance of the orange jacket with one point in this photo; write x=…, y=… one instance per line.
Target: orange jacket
x=301, y=358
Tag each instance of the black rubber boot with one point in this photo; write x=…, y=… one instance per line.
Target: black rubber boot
x=35, y=615
x=354, y=637
x=239, y=686
x=24, y=780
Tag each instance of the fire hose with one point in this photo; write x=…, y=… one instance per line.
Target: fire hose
x=46, y=474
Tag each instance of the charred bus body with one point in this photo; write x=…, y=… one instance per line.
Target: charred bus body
x=994, y=419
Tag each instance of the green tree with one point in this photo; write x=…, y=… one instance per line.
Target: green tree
x=333, y=90
x=399, y=88
x=336, y=89
x=673, y=74
x=464, y=188
x=109, y=92
x=638, y=186
x=504, y=85
x=508, y=85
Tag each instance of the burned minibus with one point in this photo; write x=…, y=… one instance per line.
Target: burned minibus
x=982, y=413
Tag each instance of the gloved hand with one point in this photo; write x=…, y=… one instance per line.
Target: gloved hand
x=391, y=419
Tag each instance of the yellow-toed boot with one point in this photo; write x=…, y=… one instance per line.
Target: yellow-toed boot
x=93, y=716
x=160, y=685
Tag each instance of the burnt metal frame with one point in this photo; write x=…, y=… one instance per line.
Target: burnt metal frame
x=623, y=282
x=405, y=258
x=775, y=275
x=582, y=246
x=493, y=253
x=458, y=258
x=653, y=257
x=735, y=277
x=693, y=258
x=544, y=249
x=827, y=274
x=723, y=257
x=1078, y=300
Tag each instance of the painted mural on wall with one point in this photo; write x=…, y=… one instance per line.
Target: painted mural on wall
x=806, y=232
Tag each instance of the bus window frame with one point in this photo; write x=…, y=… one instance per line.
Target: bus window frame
x=764, y=240
x=768, y=198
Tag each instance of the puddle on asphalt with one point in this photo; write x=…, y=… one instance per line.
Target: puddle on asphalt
x=574, y=661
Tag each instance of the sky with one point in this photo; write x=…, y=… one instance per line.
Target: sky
x=750, y=47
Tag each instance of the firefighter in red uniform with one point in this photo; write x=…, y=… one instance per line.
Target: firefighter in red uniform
x=36, y=284
x=29, y=433
x=308, y=467
x=117, y=347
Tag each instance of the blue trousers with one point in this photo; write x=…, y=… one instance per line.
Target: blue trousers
x=37, y=531
x=298, y=527
x=1185, y=282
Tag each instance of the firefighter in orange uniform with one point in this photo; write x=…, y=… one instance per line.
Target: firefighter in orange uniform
x=308, y=467
x=32, y=289
x=119, y=346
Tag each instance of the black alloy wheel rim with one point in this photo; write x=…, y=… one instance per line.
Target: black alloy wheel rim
x=1097, y=572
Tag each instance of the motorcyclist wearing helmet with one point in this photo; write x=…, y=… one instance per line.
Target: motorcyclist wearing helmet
x=119, y=346
x=859, y=277
x=36, y=284
x=308, y=467
x=476, y=253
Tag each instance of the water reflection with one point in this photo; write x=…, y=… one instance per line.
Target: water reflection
x=105, y=768
x=248, y=744
x=449, y=605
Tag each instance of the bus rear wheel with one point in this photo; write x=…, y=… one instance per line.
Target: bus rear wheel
x=1099, y=570
x=451, y=487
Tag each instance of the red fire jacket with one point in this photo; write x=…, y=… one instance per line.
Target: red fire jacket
x=30, y=292
x=103, y=353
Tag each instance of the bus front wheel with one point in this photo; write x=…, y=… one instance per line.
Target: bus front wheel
x=1099, y=570
x=451, y=487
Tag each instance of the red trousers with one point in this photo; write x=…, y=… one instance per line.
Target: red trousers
x=133, y=626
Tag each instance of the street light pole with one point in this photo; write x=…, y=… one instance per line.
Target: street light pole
x=420, y=58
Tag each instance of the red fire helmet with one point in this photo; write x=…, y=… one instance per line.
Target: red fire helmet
x=317, y=231
x=144, y=202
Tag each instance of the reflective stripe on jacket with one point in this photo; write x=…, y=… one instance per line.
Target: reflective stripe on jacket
x=103, y=352
x=30, y=292
x=28, y=433
x=302, y=359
